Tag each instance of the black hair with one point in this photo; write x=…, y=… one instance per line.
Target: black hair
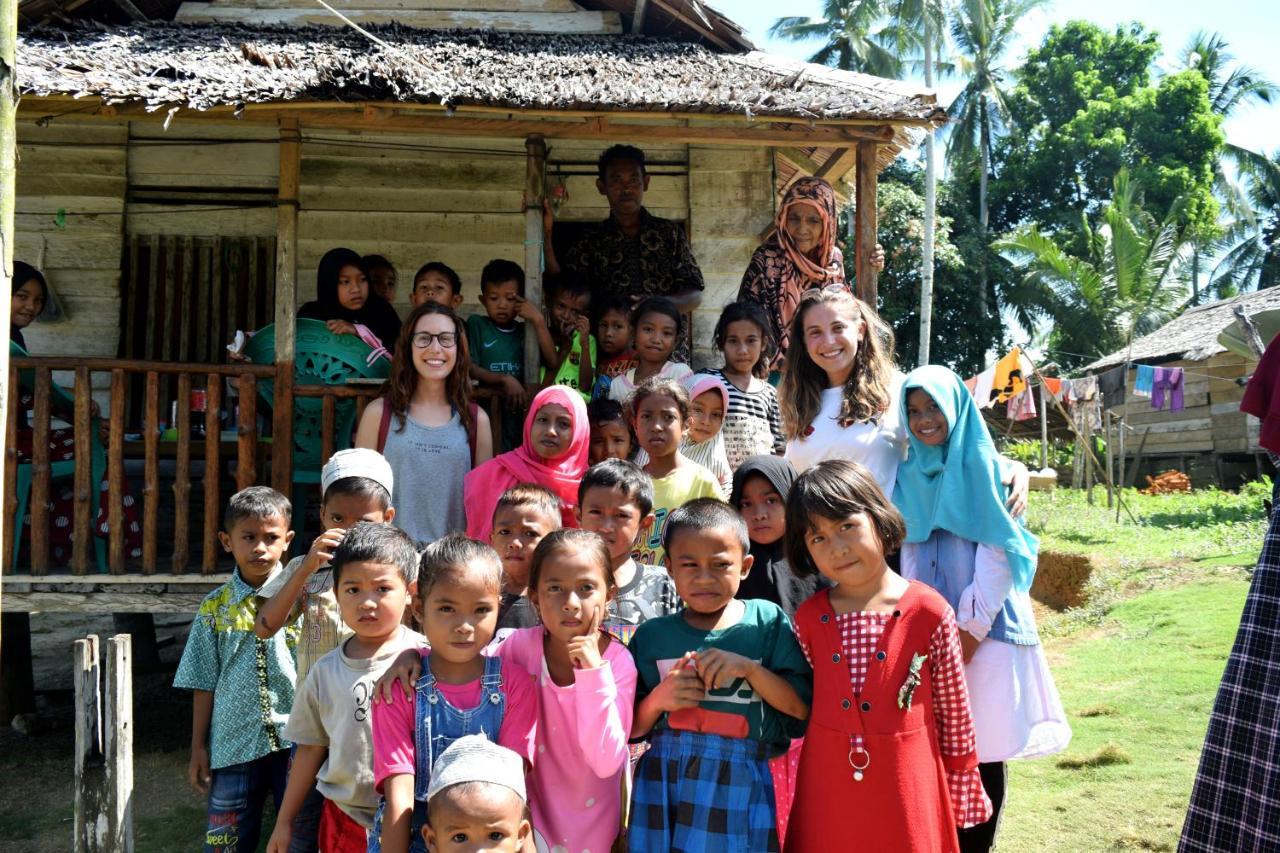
x=736, y=312
x=373, y=542
x=570, y=538
x=574, y=285
x=475, y=786
x=605, y=410
x=258, y=503
x=23, y=273
x=531, y=495
x=358, y=487
x=659, y=305
x=618, y=154
x=659, y=385
x=454, y=554
x=499, y=270
x=623, y=476
x=370, y=262
x=611, y=303
x=706, y=514
x=837, y=489
x=455, y=281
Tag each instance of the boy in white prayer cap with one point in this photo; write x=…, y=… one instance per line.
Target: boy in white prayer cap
x=476, y=800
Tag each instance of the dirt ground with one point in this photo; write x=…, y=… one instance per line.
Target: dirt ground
x=36, y=802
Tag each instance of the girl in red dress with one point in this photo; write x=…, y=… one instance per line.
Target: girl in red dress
x=889, y=757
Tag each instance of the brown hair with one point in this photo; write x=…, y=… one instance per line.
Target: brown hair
x=658, y=385
x=398, y=390
x=572, y=539
x=837, y=489
x=531, y=496
x=866, y=392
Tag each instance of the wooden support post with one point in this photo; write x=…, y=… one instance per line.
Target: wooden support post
x=41, y=474
x=1120, y=470
x=182, y=480
x=212, y=475
x=12, y=525
x=104, y=747
x=534, y=191
x=1044, y=426
x=286, y=297
x=866, y=225
x=82, y=520
x=115, y=473
x=151, y=473
x=1108, y=420
x=247, y=442
x=8, y=163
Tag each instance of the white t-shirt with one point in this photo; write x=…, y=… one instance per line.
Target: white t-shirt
x=622, y=386
x=332, y=708
x=878, y=444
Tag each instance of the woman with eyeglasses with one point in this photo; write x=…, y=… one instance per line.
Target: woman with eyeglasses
x=427, y=425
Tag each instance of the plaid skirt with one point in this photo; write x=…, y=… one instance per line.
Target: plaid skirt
x=703, y=793
x=1235, y=804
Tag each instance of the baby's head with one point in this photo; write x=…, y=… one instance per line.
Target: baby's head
x=659, y=415
x=610, y=431
x=524, y=514
x=707, y=553
x=373, y=568
x=613, y=324
x=438, y=283
x=615, y=501
x=501, y=291
x=476, y=799
x=708, y=404
x=356, y=485
x=459, y=584
x=256, y=531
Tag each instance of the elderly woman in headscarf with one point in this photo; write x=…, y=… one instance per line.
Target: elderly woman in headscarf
x=345, y=301
x=800, y=254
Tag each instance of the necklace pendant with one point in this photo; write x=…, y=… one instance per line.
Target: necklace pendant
x=857, y=775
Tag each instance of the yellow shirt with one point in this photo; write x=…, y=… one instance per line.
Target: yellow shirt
x=669, y=493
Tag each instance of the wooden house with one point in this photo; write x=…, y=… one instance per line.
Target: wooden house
x=1210, y=439
x=182, y=167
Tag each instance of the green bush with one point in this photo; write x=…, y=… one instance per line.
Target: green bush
x=1027, y=451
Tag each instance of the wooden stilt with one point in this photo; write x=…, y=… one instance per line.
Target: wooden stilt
x=286, y=306
x=534, y=192
x=866, y=224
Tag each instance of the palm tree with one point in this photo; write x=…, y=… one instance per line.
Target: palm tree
x=982, y=31
x=854, y=33
x=1251, y=244
x=1130, y=284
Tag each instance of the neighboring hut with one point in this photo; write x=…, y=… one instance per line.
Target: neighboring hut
x=1210, y=439
x=178, y=181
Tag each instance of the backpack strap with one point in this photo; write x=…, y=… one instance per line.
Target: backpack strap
x=472, y=410
x=384, y=426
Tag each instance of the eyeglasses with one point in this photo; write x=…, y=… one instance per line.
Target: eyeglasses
x=422, y=340
x=826, y=290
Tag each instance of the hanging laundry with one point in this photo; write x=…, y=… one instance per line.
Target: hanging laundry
x=1167, y=381
x=1009, y=378
x=982, y=394
x=1142, y=384
x=1111, y=386
x=1022, y=407
x=1087, y=413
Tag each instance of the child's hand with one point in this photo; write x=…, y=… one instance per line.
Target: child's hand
x=526, y=310
x=548, y=217
x=682, y=688
x=280, y=837
x=322, y=550
x=584, y=651
x=513, y=390
x=198, y=773
x=404, y=672
x=719, y=668
x=582, y=326
x=340, y=327
x=968, y=645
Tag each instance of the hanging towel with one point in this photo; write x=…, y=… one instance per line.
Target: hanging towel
x=982, y=393
x=1022, y=407
x=1142, y=385
x=1261, y=399
x=1111, y=386
x=1168, y=380
x=1009, y=379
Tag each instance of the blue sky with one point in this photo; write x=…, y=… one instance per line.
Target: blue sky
x=1247, y=25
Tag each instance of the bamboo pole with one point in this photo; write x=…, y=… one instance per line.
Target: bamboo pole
x=286, y=299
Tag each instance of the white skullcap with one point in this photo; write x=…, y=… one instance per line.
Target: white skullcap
x=475, y=758
x=357, y=462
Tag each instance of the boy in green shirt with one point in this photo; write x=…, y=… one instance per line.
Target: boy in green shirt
x=571, y=332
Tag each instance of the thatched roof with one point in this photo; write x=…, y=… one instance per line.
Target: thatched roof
x=212, y=65
x=1193, y=335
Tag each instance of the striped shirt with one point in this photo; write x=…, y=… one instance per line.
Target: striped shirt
x=753, y=424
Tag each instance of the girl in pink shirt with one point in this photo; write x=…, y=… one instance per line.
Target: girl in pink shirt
x=586, y=686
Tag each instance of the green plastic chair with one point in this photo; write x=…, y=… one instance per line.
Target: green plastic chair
x=64, y=470
x=321, y=358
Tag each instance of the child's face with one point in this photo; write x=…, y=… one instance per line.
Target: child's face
x=573, y=593
x=804, y=224
x=257, y=544
x=435, y=361
x=552, y=431
x=27, y=303
x=764, y=510
x=501, y=301
x=707, y=567
x=474, y=818
x=460, y=615
x=517, y=530
x=847, y=551
x=615, y=518
x=372, y=598
x=434, y=287
x=567, y=309
x=925, y=419
x=659, y=426
x=353, y=288
x=706, y=415
x=382, y=280
x=345, y=510
x=743, y=343
x=609, y=440
x=613, y=334
x=655, y=338
x=831, y=338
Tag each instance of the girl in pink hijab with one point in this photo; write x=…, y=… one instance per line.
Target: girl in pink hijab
x=557, y=438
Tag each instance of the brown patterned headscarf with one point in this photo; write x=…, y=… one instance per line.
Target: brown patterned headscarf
x=816, y=193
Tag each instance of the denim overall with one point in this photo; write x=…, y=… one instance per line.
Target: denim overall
x=437, y=724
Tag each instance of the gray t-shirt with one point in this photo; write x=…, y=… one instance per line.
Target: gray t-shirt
x=429, y=464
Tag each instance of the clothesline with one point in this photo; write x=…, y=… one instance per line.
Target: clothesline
x=1185, y=371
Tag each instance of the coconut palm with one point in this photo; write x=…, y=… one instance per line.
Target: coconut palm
x=1251, y=244
x=982, y=31
x=1130, y=284
x=854, y=33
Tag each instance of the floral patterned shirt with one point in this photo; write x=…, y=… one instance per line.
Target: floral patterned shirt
x=657, y=263
x=252, y=680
